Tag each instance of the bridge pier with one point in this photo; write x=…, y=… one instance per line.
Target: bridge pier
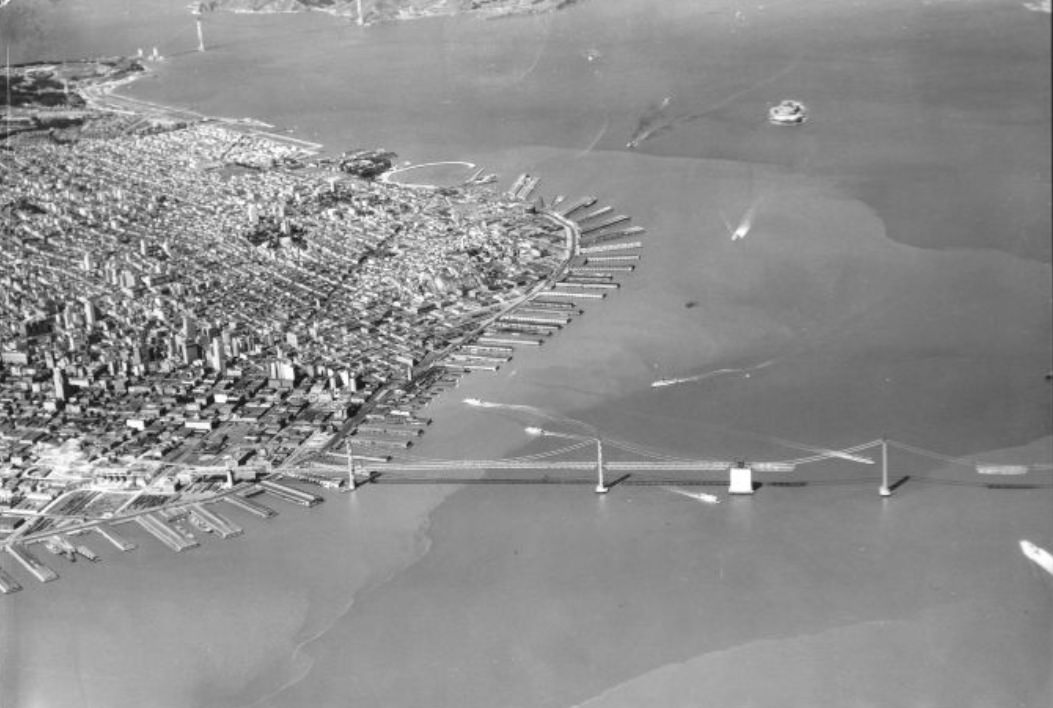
x=740, y=479
x=885, y=490
x=351, y=486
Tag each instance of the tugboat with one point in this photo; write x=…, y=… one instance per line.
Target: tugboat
x=789, y=112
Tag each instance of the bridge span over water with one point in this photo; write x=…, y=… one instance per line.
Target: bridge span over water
x=566, y=466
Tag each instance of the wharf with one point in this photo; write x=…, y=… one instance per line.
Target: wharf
x=396, y=430
x=587, y=284
x=614, y=221
x=249, y=505
x=214, y=522
x=530, y=319
x=514, y=341
x=165, y=533
x=546, y=312
x=468, y=366
x=115, y=538
x=580, y=204
x=8, y=584
x=596, y=239
x=545, y=330
x=613, y=259
x=385, y=442
x=292, y=494
x=576, y=293
x=552, y=305
x=602, y=211
x=30, y=562
x=466, y=358
x=580, y=270
x=589, y=277
x=492, y=349
x=610, y=247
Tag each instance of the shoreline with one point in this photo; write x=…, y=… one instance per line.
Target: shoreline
x=581, y=377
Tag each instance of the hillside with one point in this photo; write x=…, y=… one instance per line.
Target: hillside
x=386, y=10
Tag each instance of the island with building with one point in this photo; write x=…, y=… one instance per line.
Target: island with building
x=195, y=311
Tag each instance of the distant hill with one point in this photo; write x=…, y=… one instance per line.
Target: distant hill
x=384, y=10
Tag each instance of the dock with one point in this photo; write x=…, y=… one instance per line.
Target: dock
x=165, y=533
x=250, y=505
x=510, y=340
x=489, y=350
x=612, y=259
x=610, y=247
x=31, y=563
x=393, y=430
x=214, y=522
x=614, y=221
x=598, y=238
x=115, y=538
x=550, y=319
x=367, y=438
x=587, y=284
x=583, y=203
x=291, y=494
x=580, y=270
x=8, y=584
x=602, y=211
x=576, y=293
x=551, y=305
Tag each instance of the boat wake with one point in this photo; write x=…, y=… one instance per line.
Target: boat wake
x=655, y=121
x=532, y=411
x=697, y=496
x=710, y=374
x=745, y=223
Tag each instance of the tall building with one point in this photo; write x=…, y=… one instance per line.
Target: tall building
x=62, y=390
x=90, y=313
x=218, y=355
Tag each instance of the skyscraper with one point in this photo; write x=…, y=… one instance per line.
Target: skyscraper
x=62, y=391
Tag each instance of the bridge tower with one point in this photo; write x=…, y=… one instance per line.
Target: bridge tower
x=601, y=488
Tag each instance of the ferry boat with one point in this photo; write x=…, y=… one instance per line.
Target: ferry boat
x=789, y=112
x=1038, y=555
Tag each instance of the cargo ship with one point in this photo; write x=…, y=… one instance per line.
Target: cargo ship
x=789, y=112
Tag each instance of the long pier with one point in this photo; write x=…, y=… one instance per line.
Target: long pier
x=603, y=248
x=583, y=203
x=250, y=505
x=8, y=584
x=165, y=533
x=291, y=494
x=31, y=563
x=214, y=522
x=111, y=535
x=614, y=221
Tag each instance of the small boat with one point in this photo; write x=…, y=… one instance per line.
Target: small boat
x=789, y=112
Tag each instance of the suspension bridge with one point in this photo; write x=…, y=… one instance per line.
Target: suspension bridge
x=563, y=465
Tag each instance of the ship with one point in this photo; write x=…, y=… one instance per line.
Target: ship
x=789, y=112
x=1038, y=555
